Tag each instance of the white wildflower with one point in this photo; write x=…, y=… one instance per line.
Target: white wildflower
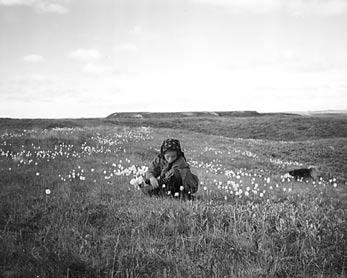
x=133, y=182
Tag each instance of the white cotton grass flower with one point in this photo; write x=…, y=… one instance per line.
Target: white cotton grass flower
x=177, y=194
x=136, y=181
x=205, y=188
x=37, y=173
x=133, y=182
x=164, y=185
x=181, y=188
x=48, y=191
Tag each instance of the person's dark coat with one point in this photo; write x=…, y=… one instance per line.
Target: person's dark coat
x=175, y=177
x=160, y=168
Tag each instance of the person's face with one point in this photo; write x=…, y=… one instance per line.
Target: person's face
x=170, y=156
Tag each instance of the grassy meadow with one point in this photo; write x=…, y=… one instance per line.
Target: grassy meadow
x=67, y=208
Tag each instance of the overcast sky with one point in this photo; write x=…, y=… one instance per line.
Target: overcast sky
x=90, y=58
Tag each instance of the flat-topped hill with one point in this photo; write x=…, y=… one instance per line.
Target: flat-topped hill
x=149, y=115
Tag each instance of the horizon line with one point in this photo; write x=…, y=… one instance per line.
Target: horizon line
x=327, y=111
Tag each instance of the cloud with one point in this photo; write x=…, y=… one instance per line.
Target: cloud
x=85, y=55
x=32, y=58
x=242, y=6
x=15, y=2
x=41, y=6
x=136, y=30
x=317, y=7
x=292, y=7
x=52, y=8
x=126, y=47
x=97, y=68
x=91, y=59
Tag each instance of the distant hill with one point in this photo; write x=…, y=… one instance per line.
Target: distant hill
x=150, y=115
x=233, y=124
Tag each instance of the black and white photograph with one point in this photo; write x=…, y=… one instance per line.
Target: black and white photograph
x=173, y=138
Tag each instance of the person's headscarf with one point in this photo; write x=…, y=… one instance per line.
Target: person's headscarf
x=171, y=145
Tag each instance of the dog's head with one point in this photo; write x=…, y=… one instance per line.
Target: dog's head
x=314, y=171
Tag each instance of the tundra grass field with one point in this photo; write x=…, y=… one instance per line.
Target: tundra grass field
x=68, y=208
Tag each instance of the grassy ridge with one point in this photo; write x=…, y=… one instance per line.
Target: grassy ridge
x=94, y=224
x=271, y=127
x=275, y=126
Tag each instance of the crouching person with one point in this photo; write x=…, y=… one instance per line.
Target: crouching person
x=169, y=173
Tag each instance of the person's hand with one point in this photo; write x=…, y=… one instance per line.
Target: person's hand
x=169, y=173
x=154, y=182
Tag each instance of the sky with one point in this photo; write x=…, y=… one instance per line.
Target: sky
x=91, y=58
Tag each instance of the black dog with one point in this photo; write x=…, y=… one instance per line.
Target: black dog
x=303, y=173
